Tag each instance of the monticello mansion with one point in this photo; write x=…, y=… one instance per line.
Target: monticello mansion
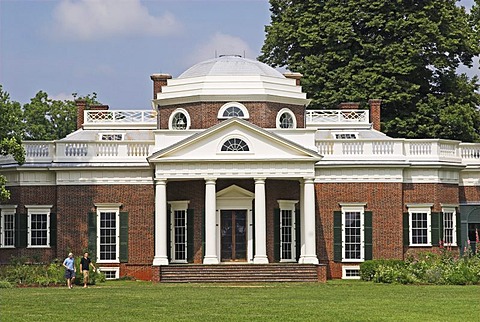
x=231, y=171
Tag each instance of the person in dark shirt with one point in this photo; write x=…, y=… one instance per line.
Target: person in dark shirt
x=85, y=264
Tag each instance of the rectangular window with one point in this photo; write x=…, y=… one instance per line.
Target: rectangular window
x=351, y=272
x=343, y=136
x=111, y=137
x=420, y=218
x=180, y=236
x=288, y=236
x=7, y=226
x=449, y=229
x=178, y=230
x=108, y=236
x=111, y=273
x=353, y=233
x=38, y=226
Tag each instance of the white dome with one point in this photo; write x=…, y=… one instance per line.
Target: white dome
x=230, y=66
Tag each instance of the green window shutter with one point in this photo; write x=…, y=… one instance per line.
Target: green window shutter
x=190, y=236
x=337, y=236
x=368, y=235
x=123, y=237
x=169, y=233
x=406, y=229
x=276, y=235
x=298, y=234
x=53, y=230
x=458, y=224
x=92, y=234
x=20, y=230
x=435, y=228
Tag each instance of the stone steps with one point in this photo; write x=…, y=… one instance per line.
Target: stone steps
x=233, y=273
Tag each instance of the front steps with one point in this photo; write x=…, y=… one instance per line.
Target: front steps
x=239, y=273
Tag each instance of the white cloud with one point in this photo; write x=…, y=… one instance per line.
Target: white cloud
x=99, y=19
x=220, y=44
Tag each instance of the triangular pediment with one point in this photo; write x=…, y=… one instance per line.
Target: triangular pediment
x=262, y=145
x=234, y=192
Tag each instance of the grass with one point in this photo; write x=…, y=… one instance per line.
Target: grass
x=333, y=301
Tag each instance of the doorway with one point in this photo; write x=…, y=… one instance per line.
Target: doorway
x=233, y=231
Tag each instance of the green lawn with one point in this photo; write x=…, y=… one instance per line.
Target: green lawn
x=333, y=301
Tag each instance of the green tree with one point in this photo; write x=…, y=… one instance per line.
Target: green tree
x=49, y=119
x=11, y=128
x=405, y=52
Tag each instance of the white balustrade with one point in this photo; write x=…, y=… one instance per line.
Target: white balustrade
x=336, y=116
x=114, y=116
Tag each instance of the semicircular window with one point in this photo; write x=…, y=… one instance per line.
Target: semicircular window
x=286, y=121
x=235, y=144
x=179, y=121
x=233, y=111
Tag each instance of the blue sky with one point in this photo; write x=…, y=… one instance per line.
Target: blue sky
x=111, y=47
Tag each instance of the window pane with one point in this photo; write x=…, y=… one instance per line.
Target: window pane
x=286, y=234
x=235, y=144
x=353, y=239
x=419, y=228
x=179, y=121
x=108, y=236
x=38, y=229
x=233, y=111
x=286, y=121
x=180, y=234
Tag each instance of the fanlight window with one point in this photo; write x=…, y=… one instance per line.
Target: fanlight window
x=286, y=121
x=233, y=111
x=235, y=144
x=179, y=121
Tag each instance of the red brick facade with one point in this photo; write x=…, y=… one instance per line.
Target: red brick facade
x=205, y=114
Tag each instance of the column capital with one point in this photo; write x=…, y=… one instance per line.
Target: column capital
x=260, y=180
x=309, y=180
x=210, y=180
x=160, y=181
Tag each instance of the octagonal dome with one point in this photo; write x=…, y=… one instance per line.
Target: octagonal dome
x=230, y=66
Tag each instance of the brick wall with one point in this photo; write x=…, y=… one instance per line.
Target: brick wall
x=385, y=202
x=469, y=194
x=204, y=114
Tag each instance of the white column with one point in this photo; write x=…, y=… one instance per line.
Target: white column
x=302, y=223
x=210, y=223
x=260, y=223
x=161, y=257
x=310, y=256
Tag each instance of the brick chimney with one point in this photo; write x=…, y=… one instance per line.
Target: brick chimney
x=296, y=76
x=99, y=107
x=375, y=113
x=348, y=106
x=159, y=80
x=81, y=107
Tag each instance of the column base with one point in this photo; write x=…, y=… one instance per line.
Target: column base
x=260, y=260
x=159, y=261
x=210, y=260
x=308, y=260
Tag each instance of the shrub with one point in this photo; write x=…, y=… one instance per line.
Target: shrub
x=369, y=268
x=5, y=284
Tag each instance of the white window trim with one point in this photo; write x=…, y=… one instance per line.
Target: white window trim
x=222, y=109
x=111, y=269
x=288, y=205
x=178, y=206
x=453, y=210
x=6, y=210
x=109, y=207
x=354, y=208
x=38, y=210
x=280, y=113
x=420, y=208
x=234, y=136
x=344, y=272
x=184, y=112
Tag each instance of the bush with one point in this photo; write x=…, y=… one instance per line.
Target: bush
x=5, y=284
x=426, y=268
x=369, y=268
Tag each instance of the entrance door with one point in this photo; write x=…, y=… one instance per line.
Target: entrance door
x=233, y=230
